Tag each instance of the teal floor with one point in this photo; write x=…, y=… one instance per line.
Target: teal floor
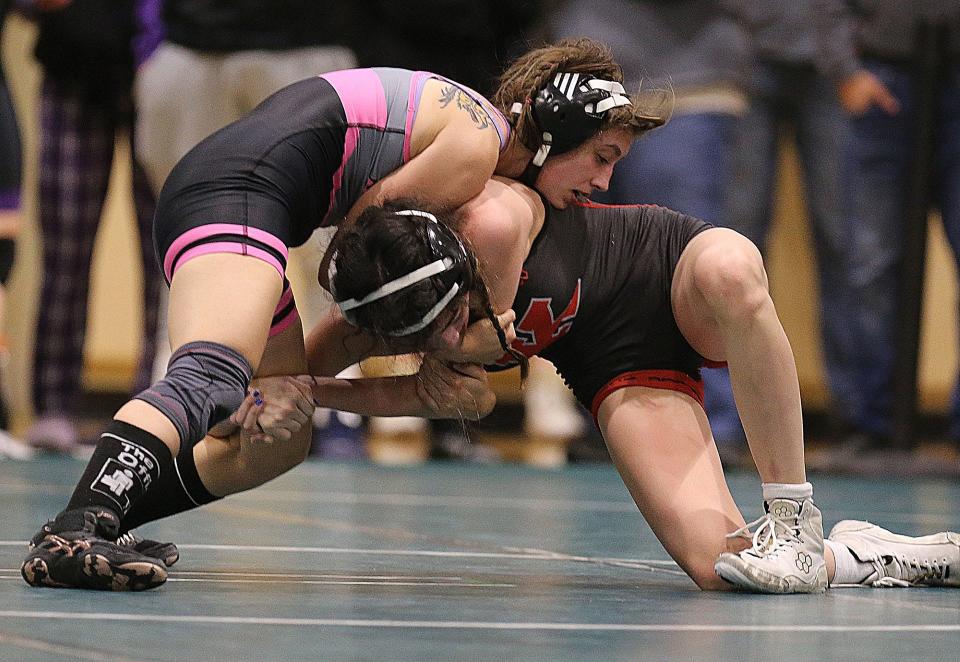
x=457, y=562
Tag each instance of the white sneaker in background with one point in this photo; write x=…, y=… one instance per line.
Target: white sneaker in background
x=902, y=561
x=13, y=448
x=53, y=433
x=787, y=551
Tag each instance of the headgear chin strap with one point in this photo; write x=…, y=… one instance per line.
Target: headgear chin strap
x=567, y=111
x=451, y=261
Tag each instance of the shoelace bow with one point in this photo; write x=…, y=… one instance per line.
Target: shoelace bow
x=772, y=534
x=917, y=570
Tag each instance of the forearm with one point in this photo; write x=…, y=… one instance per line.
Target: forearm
x=333, y=345
x=224, y=429
x=372, y=396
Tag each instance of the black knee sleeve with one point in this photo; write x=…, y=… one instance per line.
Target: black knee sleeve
x=7, y=251
x=204, y=384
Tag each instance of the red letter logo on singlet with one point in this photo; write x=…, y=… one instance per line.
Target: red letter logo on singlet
x=538, y=328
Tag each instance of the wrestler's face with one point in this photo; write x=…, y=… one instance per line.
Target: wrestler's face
x=581, y=171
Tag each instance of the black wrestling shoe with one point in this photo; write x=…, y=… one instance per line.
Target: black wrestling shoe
x=162, y=551
x=75, y=550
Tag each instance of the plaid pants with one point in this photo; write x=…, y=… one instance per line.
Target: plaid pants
x=76, y=155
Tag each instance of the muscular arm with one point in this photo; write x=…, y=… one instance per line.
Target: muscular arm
x=400, y=396
x=500, y=225
x=332, y=346
x=455, y=148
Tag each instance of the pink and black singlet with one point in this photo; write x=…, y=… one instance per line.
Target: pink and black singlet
x=298, y=161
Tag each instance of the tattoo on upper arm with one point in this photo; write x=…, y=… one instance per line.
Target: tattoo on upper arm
x=452, y=93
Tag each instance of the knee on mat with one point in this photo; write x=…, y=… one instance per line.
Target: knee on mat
x=700, y=570
x=707, y=579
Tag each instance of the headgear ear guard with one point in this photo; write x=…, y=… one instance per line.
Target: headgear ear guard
x=567, y=111
x=449, y=259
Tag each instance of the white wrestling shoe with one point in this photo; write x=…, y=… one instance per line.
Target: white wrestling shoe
x=902, y=561
x=787, y=551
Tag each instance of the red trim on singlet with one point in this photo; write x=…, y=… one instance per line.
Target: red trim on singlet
x=670, y=380
x=707, y=363
x=590, y=204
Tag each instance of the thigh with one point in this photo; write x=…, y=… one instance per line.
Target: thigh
x=224, y=298
x=948, y=164
x=661, y=444
x=10, y=156
x=823, y=132
x=876, y=179
x=252, y=76
x=77, y=139
x=753, y=164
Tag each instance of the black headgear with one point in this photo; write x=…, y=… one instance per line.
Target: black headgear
x=568, y=111
x=449, y=259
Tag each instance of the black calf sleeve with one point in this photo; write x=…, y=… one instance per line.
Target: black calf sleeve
x=126, y=463
x=176, y=492
x=204, y=384
x=7, y=252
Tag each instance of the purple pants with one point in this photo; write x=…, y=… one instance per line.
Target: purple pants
x=76, y=155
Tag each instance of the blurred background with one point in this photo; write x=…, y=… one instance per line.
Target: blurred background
x=472, y=53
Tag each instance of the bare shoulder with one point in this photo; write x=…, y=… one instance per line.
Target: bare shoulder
x=451, y=99
x=446, y=110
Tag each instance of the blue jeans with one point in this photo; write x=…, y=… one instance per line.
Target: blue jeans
x=796, y=98
x=685, y=166
x=878, y=168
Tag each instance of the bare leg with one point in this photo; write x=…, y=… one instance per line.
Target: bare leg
x=206, y=304
x=661, y=444
x=723, y=308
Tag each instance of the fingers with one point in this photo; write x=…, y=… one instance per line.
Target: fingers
x=454, y=390
x=426, y=397
x=276, y=410
x=246, y=417
x=306, y=402
x=506, y=321
x=238, y=416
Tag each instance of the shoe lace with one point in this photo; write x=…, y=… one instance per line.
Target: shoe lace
x=54, y=542
x=913, y=571
x=772, y=534
x=129, y=539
